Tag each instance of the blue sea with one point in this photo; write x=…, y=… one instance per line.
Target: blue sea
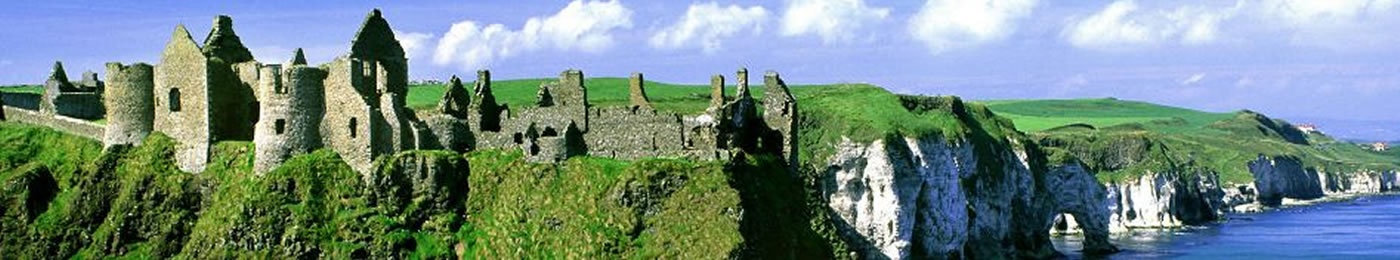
x=1364, y=228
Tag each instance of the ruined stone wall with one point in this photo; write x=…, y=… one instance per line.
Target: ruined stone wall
x=181, y=112
x=350, y=111
x=28, y=101
x=83, y=105
x=293, y=105
x=448, y=125
x=780, y=115
x=637, y=91
x=90, y=83
x=570, y=102
x=64, y=124
x=130, y=103
x=61, y=97
x=628, y=133
x=232, y=107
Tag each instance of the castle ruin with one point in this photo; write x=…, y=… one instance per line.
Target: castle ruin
x=355, y=105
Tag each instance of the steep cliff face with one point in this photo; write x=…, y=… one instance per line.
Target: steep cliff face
x=1285, y=177
x=885, y=193
x=927, y=198
x=1071, y=194
x=1165, y=200
x=1276, y=178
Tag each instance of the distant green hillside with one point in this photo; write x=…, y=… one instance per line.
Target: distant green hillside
x=1126, y=138
x=36, y=89
x=1038, y=115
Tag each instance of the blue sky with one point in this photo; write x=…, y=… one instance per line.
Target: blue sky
x=1302, y=59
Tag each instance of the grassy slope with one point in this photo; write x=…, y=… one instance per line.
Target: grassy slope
x=136, y=204
x=1224, y=142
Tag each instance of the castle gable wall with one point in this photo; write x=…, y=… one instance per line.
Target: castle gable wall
x=181, y=90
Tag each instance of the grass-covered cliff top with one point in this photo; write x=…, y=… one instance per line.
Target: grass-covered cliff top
x=1124, y=139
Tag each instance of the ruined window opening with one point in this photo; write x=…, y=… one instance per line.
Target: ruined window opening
x=519, y=139
x=280, y=126
x=174, y=100
x=354, y=124
x=279, y=89
x=369, y=68
x=549, y=131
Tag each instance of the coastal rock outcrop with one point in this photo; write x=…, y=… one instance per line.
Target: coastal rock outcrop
x=1165, y=200
x=901, y=198
x=1279, y=177
x=1069, y=193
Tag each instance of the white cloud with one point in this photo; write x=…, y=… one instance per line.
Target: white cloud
x=706, y=25
x=1328, y=12
x=832, y=20
x=1193, y=79
x=949, y=24
x=585, y=26
x=1335, y=24
x=1124, y=25
x=6, y=63
x=413, y=43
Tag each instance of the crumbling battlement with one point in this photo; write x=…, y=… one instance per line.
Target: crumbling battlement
x=563, y=124
x=355, y=105
x=62, y=97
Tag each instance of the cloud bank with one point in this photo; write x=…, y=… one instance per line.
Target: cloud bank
x=584, y=26
x=706, y=26
x=944, y=25
x=832, y=20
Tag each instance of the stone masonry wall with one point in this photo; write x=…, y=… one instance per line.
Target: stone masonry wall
x=130, y=103
x=28, y=101
x=84, y=105
x=780, y=114
x=181, y=111
x=346, y=125
x=64, y=124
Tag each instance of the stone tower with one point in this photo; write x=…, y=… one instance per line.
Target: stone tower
x=717, y=98
x=638, y=92
x=293, y=105
x=130, y=103
x=182, y=98
x=780, y=114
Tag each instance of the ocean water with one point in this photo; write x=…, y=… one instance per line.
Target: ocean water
x=1364, y=228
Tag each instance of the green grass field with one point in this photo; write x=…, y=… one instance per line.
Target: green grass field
x=1223, y=142
x=686, y=99
x=36, y=89
x=1038, y=115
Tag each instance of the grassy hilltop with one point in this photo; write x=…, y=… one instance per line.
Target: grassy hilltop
x=1125, y=138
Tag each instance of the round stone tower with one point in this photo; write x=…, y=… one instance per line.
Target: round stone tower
x=130, y=103
x=293, y=104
